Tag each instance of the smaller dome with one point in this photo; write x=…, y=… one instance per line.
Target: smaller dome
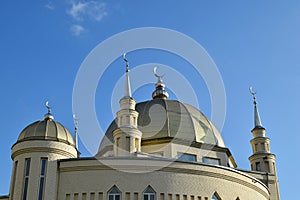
x=46, y=129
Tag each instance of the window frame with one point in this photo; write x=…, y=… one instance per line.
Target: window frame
x=42, y=178
x=216, y=196
x=257, y=166
x=149, y=192
x=113, y=195
x=205, y=159
x=26, y=178
x=186, y=155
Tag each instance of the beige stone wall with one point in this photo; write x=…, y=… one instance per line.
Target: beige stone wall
x=35, y=150
x=171, y=150
x=91, y=179
x=268, y=179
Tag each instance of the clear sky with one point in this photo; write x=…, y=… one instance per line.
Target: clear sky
x=253, y=43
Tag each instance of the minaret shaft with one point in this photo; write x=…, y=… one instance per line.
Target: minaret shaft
x=127, y=137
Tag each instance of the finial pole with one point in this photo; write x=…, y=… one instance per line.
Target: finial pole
x=127, y=89
x=76, y=128
x=126, y=61
x=257, y=122
x=253, y=94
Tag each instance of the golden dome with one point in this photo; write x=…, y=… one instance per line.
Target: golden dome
x=46, y=129
x=161, y=118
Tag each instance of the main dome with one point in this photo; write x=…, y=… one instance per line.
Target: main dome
x=161, y=118
x=46, y=129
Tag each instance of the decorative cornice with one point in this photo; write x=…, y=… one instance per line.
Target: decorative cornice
x=216, y=175
x=261, y=155
x=42, y=149
x=42, y=138
x=180, y=170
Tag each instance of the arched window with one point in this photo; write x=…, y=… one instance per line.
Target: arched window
x=114, y=194
x=149, y=194
x=215, y=196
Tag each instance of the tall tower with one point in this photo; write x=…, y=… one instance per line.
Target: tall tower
x=127, y=137
x=262, y=159
x=35, y=156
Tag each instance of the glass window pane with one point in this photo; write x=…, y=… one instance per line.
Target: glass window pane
x=145, y=196
x=114, y=190
x=27, y=167
x=214, y=197
x=117, y=197
x=41, y=189
x=25, y=189
x=110, y=197
x=149, y=190
x=43, y=166
x=212, y=161
x=186, y=157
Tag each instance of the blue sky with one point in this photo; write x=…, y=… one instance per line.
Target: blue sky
x=253, y=43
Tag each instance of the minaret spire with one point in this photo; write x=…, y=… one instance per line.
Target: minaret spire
x=127, y=89
x=257, y=121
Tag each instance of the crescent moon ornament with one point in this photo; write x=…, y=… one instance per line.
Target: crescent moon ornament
x=124, y=57
x=47, y=106
x=155, y=73
x=251, y=91
x=126, y=61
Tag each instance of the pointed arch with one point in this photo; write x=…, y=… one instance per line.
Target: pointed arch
x=216, y=196
x=149, y=193
x=114, y=193
x=238, y=198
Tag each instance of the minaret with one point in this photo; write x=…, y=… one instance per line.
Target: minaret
x=262, y=159
x=127, y=137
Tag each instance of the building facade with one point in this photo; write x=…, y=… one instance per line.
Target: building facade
x=160, y=149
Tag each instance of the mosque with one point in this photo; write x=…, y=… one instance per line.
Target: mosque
x=160, y=149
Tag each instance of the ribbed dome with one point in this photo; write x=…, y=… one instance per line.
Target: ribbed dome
x=46, y=129
x=162, y=118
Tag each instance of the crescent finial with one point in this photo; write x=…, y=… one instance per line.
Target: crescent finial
x=251, y=91
x=48, y=107
x=253, y=94
x=126, y=61
x=124, y=57
x=155, y=73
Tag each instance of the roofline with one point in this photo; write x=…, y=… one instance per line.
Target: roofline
x=42, y=138
x=241, y=172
